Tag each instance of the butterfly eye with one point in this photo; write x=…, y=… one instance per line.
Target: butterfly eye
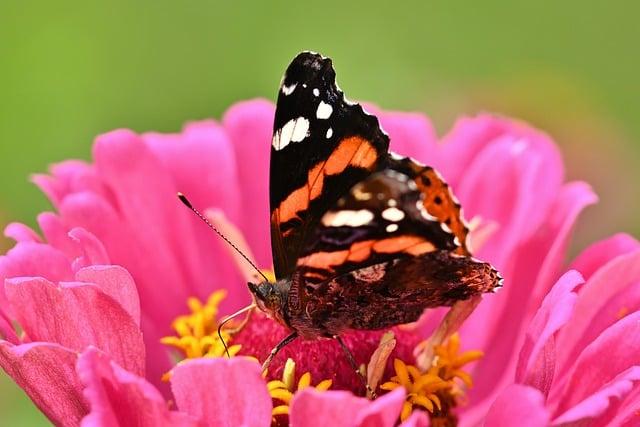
x=255, y=290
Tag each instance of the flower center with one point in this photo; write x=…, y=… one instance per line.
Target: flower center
x=436, y=391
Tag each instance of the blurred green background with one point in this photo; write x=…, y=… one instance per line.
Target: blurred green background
x=71, y=70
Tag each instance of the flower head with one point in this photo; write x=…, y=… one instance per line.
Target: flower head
x=110, y=273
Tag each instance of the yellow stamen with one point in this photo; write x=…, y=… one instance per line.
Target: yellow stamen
x=196, y=333
x=437, y=390
x=284, y=389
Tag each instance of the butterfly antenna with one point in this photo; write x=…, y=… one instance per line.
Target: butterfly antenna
x=228, y=318
x=188, y=204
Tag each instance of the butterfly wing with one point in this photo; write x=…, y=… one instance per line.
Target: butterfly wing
x=322, y=145
x=438, y=199
x=381, y=218
x=397, y=291
x=385, y=251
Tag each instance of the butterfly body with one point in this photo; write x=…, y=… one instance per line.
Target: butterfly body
x=361, y=238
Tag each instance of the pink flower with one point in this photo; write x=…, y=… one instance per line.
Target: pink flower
x=579, y=363
x=121, y=257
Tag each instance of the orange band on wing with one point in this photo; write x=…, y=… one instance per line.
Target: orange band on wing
x=353, y=151
x=361, y=251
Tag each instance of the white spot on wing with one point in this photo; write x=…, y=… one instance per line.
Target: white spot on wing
x=329, y=133
x=392, y=202
x=347, y=218
x=316, y=92
x=324, y=110
x=288, y=90
x=294, y=130
x=391, y=228
x=393, y=214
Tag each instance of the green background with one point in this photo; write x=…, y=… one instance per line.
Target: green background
x=71, y=70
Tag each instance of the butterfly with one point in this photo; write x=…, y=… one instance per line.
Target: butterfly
x=361, y=238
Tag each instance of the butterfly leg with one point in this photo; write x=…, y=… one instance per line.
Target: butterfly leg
x=354, y=366
x=292, y=336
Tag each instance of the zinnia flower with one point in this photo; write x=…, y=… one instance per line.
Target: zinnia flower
x=124, y=281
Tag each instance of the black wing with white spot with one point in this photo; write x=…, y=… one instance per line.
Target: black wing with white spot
x=322, y=145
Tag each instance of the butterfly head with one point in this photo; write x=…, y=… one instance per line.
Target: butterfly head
x=270, y=297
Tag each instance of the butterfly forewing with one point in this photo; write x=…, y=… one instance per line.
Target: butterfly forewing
x=322, y=145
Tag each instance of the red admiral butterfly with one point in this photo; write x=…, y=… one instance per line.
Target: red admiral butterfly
x=361, y=238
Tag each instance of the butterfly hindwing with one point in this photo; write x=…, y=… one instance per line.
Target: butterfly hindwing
x=438, y=200
x=322, y=145
x=397, y=291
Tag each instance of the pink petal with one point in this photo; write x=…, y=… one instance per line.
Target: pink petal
x=417, y=419
x=57, y=234
x=518, y=405
x=116, y=282
x=624, y=413
x=222, y=392
x=612, y=288
x=598, y=403
x=411, y=134
x=534, y=266
x=21, y=233
x=93, y=213
x=537, y=362
x=76, y=315
x=383, y=411
x=199, y=160
x=343, y=409
x=7, y=332
x=32, y=259
x=600, y=253
x=471, y=135
x=595, y=367
x=68, y=177
x=93, y=251
x=331, y=408
x=250, y=125
x=35, y=259
x=117, y=397
x=46, y=372
x=163, y=229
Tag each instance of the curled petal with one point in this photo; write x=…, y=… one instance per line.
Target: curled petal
x=536, y=365
x=599, y=402
x=21, y=233
x=589, y=374
x=116, y=282
x=118, y=397
x=93, y=251
x=78, y=315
